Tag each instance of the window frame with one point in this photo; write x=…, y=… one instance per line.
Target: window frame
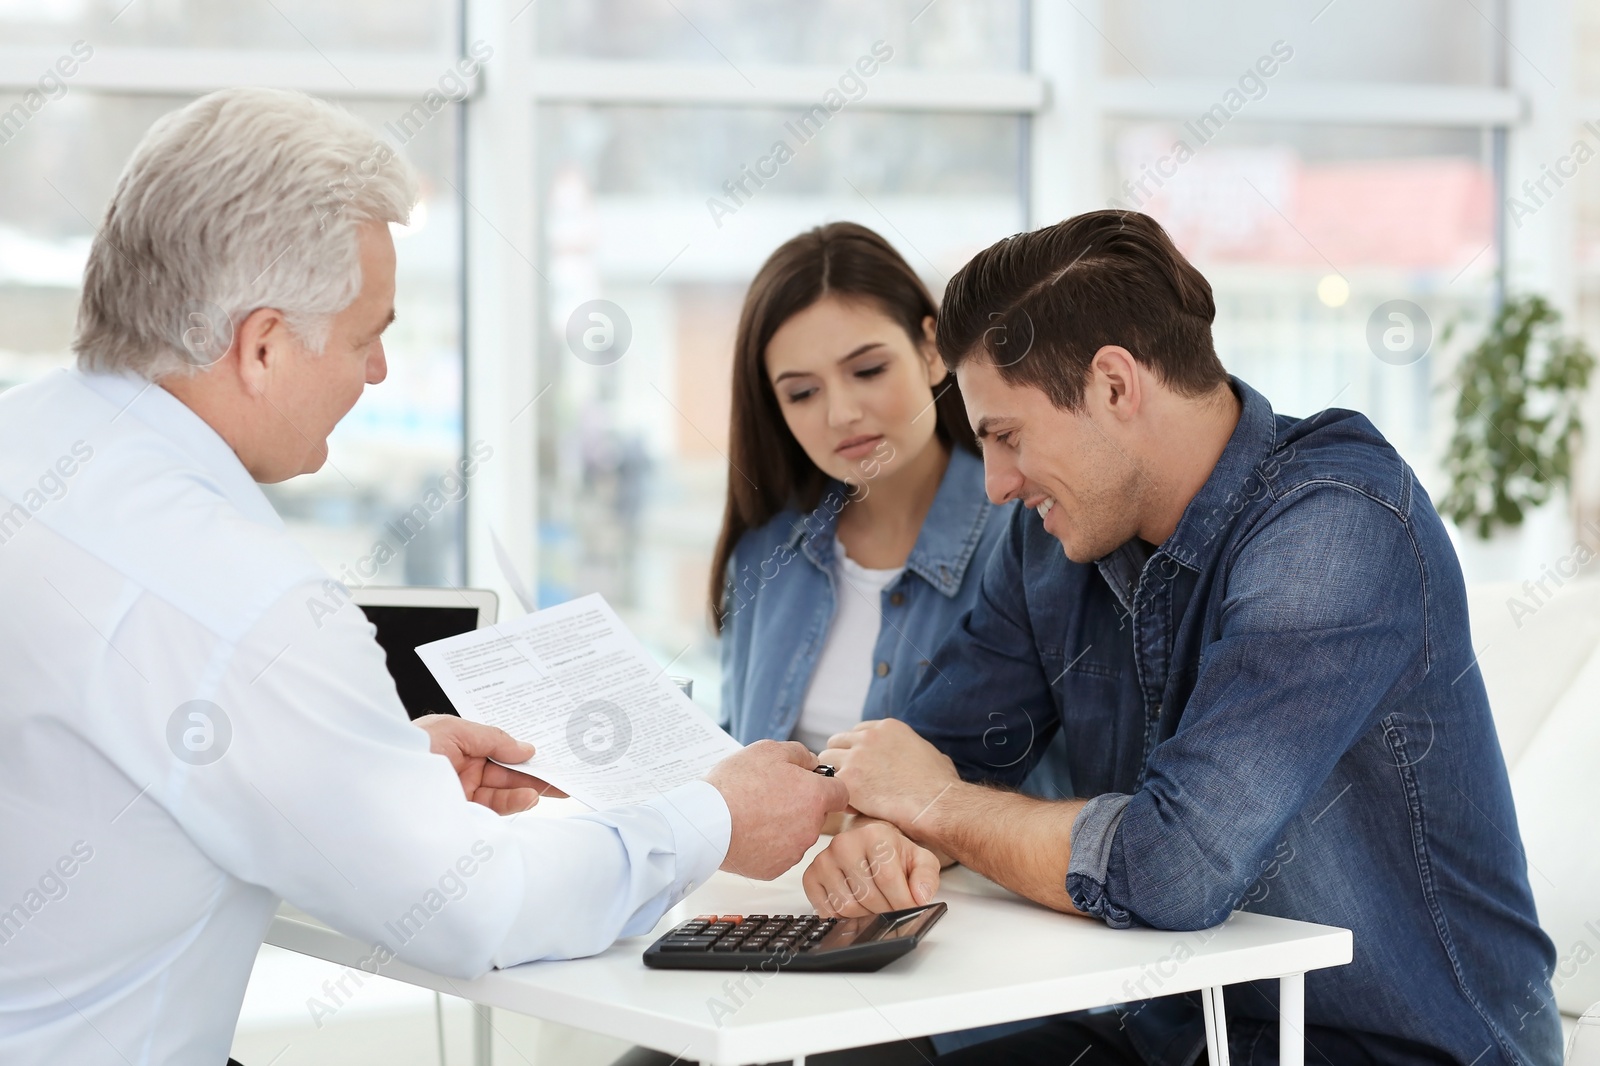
x=1062, y=97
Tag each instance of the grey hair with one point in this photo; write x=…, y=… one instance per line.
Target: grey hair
x=246, y=198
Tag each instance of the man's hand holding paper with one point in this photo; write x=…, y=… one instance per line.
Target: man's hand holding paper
x=479, y=753
x=607, y=727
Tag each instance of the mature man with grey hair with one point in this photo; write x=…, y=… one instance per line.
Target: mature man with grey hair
x=184, y=743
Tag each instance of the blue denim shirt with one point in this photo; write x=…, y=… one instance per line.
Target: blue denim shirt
x=782, y=602
x=1278, y=709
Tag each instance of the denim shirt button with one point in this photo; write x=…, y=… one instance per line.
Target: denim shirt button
x=883, y=669
x=896, y=599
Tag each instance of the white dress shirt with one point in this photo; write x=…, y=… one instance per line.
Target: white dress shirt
x=183, y=742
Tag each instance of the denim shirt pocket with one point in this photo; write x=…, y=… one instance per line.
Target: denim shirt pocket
x=916, y=620
x=1095, y=703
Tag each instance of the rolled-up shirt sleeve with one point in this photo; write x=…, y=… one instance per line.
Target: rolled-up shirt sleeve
x=1304, y=656
x=1092, y=833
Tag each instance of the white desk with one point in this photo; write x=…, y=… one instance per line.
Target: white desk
x=993, y=958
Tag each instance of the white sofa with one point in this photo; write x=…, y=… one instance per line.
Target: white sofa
x=1542, y=670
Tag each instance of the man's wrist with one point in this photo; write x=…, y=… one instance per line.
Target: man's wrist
x=932, y=825
x=854, y=820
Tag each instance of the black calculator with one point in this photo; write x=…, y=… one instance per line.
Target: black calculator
x=804, y=942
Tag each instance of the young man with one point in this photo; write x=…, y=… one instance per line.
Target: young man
x=1253, y=630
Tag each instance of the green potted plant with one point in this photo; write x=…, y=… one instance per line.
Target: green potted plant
x=1518, y=419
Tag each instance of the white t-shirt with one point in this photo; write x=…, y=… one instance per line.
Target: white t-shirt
x=838, y=689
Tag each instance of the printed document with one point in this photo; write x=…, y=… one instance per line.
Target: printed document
x=609, y=727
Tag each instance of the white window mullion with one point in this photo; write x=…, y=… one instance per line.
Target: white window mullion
x=503, y=399
x=187, y=71
x=1357, y=103
x=1065, y=148
x=888, y=88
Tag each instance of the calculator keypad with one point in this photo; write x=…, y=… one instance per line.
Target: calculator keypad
x=750, y=933
x=791, y=942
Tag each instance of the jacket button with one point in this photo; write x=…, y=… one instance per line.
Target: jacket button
x=897, y=598
x=883, y=669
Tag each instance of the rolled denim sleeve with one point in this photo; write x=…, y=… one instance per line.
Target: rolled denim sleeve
x=985, y=700
x=1322, y=622
x=1092, y=833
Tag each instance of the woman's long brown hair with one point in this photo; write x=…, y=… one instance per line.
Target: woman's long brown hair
x=768, y=470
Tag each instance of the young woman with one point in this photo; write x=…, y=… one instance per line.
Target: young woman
x=856, y=528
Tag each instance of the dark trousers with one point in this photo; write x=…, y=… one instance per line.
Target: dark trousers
x=1057, y=1042
x=1250, y=1043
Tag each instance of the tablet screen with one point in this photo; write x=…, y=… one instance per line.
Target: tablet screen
x=400, y=631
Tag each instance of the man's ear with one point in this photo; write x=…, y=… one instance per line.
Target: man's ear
x=929, y=351
x=259, y=345
x=1115, y=382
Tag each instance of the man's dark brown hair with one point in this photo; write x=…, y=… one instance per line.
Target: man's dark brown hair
x=1039, y=305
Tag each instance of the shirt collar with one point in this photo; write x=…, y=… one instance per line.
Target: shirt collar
x=1235, y=479
x=949, y=536
x=1123, y=568
x=168, y=416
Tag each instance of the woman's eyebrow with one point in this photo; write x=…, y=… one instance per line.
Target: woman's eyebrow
x=862, y=350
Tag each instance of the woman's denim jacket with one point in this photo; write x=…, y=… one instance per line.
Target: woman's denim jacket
x=781, y=601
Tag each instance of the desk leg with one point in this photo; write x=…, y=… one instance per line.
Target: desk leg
x=1216, y=1026
x=1292, y=1020
x=482, y=1036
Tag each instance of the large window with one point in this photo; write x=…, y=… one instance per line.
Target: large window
x=1305, y=232
x=949, y=36
x=1329, y=167
x=58, y=169
x=633, y=461
x=608, y=155
x=1349, y=42
x=294, y=26
x=665, y=203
